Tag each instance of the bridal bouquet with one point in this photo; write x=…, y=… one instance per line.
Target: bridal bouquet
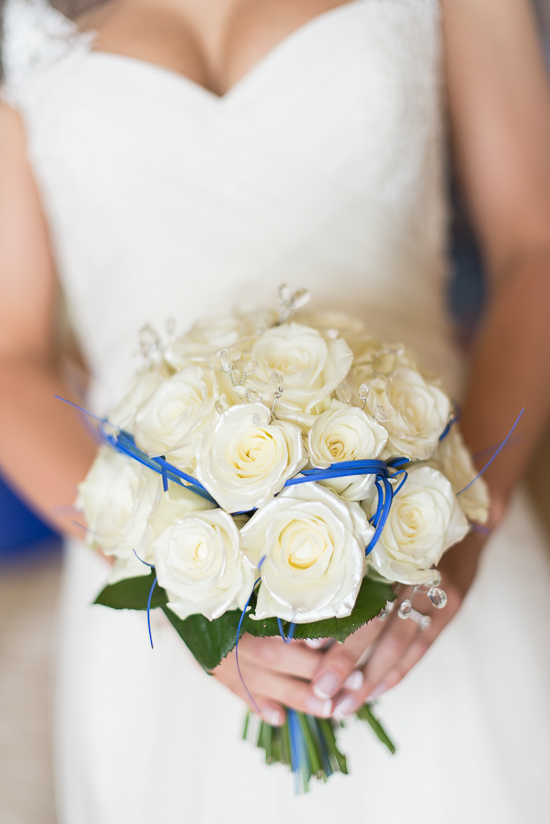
x=277, y=473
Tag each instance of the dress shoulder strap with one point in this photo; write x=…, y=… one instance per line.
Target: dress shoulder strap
x=35, y=36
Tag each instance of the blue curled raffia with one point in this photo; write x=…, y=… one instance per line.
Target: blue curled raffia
x=125, y=443
x=150, y=598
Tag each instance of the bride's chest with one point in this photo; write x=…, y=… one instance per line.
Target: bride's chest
x=214, y=44
x=354, y=95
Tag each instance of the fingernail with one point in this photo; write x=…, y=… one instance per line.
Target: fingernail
x=318, y=707
x=327, y=685
x=273, y=716
x=344, y=707
x=378, y=690
x=354, y=681
x=315, y=643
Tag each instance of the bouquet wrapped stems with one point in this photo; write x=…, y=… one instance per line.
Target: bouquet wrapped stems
x=308, y=744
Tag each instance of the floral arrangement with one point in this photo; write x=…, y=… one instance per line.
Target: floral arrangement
x=278, y=473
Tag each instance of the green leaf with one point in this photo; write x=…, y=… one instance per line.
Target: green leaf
x=365, y=713
x=132, y=593
x=209, y=641
x=371, y=599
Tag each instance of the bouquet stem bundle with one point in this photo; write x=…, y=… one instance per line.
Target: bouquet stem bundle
x=308, y=744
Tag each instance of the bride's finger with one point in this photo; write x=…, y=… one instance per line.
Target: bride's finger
x=377, y=681
x=412, y=655
x=266, y=691
x=290, y=692
x=389, y=650
x=420, y=643
x=340, y=661
x=293, y=658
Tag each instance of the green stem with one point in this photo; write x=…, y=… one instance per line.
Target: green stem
x=365, y=714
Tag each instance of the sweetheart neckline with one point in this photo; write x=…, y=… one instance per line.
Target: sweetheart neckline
x=256, y=69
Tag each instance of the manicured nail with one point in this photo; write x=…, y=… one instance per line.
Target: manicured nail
x=378, y=690
x=318, y=707
x=327, y=685
x=354, y=681
x=273, y=716
x=346, y=705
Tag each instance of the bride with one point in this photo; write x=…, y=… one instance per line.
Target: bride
x=180, y=157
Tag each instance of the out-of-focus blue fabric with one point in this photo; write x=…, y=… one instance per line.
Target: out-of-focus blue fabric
x=20, y=531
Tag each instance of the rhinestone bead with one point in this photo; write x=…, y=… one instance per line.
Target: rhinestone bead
x=438, y=597
x=424, y=622
x=435, y=578
x=343, y=393
x=405, y=609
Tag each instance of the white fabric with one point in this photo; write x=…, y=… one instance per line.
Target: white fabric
x=323, y=167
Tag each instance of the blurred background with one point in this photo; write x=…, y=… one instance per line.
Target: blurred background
x=30, y=564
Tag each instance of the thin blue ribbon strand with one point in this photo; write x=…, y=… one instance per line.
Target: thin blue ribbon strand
x=243, y=613
x=298, y=751
x=447, y=429
x=149, y=599
x=286, y=638
x=500, y=448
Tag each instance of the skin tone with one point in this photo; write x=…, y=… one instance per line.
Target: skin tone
x=499, y=111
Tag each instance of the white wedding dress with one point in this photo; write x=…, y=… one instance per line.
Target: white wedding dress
x=324, y=168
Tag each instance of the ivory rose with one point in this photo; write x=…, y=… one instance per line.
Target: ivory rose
x=207, y=337
x=172, y=419
x=313, y=549
x=145, y=383
x=454, y=460
x=117, y=497
x=244, y=458
x=412, y=411
x=425, y=519
x=346, y=433
x=199, y=562
x=310, y=367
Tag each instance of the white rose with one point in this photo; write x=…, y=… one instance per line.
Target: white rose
x=453, y=458
x=169, y=505
x=243, y=459
x=314, y=547
x=144, y=384
x=373, y=358
x=424, y=520
x=117, y=497
x=177, y=502
x=311, y=367
x=330, y=322
x=205, y=339
x=199, y=563
x=173, y=418
x=346, y=433
x=413, y=412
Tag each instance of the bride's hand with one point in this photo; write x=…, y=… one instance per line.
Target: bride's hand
x=277, y=675
x=395, y=645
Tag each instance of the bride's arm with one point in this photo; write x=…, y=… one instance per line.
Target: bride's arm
x=44, y=450
x=499, y=111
